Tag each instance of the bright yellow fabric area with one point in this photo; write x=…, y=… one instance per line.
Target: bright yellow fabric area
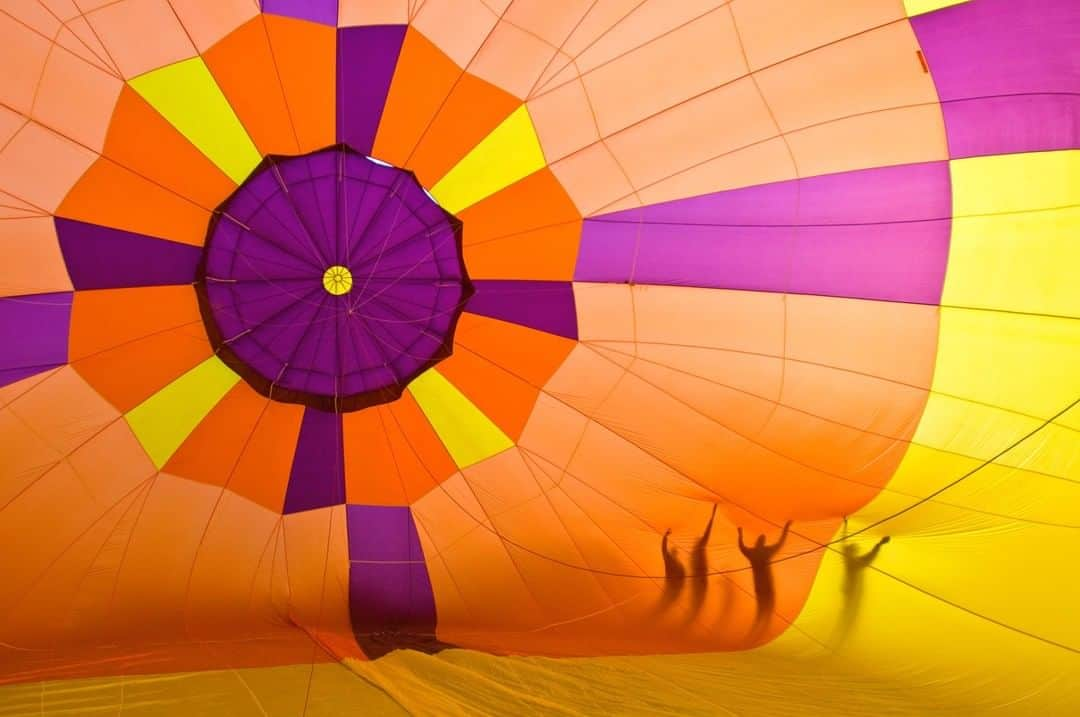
x=920, y=7
x=469, y=435
x=337, y=280
x=511, y=152
x=185, y=94
x=163, y=421
x=1014, y=233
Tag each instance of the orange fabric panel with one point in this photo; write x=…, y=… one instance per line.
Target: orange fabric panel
x=316, y=554
x=262, y=473
x=144, y=142
x=210, y=454
x=30, y=258
x=532, y=355
x=244, y=67
x=372, y=476
x=130, y=343
x=113, y=196
x=422, y=460
x=305, y=55
x=422, y=79
x=499, y=394
x=471, y=111
x=530, y=230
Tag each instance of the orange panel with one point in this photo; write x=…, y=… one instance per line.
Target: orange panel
x=262, y=474
x=305, y=54
x=116, y=197
x=243, y=66
x=532, y=355
x=471, y=111
x=530, y=230
x=422, y=460
x=423, y=78
x=130, y=343
x=500, y=395
x=144, y=142
x=210, y=453
x=371, y=468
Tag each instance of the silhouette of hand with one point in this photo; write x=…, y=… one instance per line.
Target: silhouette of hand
x=667, y=532
x=885, y=540
x=788, y=524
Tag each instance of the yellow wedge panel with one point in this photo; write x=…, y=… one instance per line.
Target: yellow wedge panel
x=511, y=152
x=163, y=421
x=469, y=435
x=185, y=94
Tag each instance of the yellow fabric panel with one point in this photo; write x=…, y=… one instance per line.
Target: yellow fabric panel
x=921, y=7
x=511, y=152
x=469, y=435
x=185, y=94
x=1014, y=233
x=163, y=421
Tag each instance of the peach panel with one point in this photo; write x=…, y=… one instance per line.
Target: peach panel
x=564, y=120
x=423, y=78
x=206, y=23
x=10, y=123
x=530, y=230
x=470, y=112
x=39, y=166
x=512, y=58
x=806, y=25
x=643, y=83
x=30, y=258
x=45, y=422
x=76, y=99
x=619, y=28
x=210, y=453
x=144, y=142
x=888, y=137
x=458, y=27
x=593, y=178
x=129, y=343
x=70, y=498
x=876, y=70
x=22, y=55
x=244, y=68
x=373, y=12
x=317, y=565
x=113, y=196
x=141, y=35
x=760, y=163
x=306, y=58
x=684, y=136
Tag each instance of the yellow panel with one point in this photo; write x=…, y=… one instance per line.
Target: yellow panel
x=511, y=152
x=163, y=421
x=185, y=94
x=921, y=7
x=468, y=434
x=1014, y=233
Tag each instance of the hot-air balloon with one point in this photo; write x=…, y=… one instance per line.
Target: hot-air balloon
x=558, y=357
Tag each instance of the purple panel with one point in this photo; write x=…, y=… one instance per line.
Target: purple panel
x=317, y=479
x=262, y=293
x=391, y=601
x=321, y=11
x=382, y=534
x=543, y=305
x=365, y=66
x=98, y=257
x=33, y=334
x=872, y=234
x=1007, y=73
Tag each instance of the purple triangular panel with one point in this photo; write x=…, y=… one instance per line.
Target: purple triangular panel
x=99, y=257
x=365, y=66
x=542, y=305
x=317, y=479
